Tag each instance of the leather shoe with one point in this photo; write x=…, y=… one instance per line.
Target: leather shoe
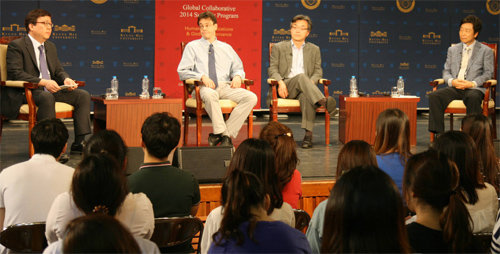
x=307, y=144
x=226, y=141
x=214, y=139
x=331, y=106
x=63, y=159
x=76, y=148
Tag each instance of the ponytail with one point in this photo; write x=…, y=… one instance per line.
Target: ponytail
x=456, y=223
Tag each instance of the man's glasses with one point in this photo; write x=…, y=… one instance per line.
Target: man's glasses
x=300, y=28
x=47, y=24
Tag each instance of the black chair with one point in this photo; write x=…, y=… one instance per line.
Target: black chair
x=302, y=219
x=175, y=231
x=25, y=237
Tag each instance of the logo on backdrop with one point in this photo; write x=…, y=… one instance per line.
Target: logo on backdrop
x=378, y=37
x=97, y=64
x=405, y=6
x=13, y=30
x=99, y=1
x=404, y=66
x=65, y=32
x=280, y=35
x=338, y=36
x=311, y=4
x=132, y=33
x=493, y=6
x=431, y=38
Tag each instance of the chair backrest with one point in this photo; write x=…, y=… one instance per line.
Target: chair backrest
x=174, y=231
x=271, y=44
x=302, y=219
x=188, y=89
x=25, y=237
x=494, y=47
x=3, y=55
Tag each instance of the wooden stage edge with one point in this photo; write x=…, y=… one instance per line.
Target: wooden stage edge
x=313, y=192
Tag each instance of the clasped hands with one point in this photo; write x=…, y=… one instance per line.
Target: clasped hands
x=462, y=84
x=53, y=87
x=235, y=83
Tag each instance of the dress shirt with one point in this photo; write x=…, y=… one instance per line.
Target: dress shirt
x=194, y=62
x=36, y=45
x=297, y=60
x=464, y=48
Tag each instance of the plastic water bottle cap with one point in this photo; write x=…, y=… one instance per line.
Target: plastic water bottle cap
x=400, y=77
x=353, y=76
x=114, y=76
x=145, y=76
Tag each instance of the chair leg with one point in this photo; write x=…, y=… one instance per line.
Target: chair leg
x=494, y=124
x=1, y=127
x=274, y=114
x=250, y=125
x=432, y=136
x=31, y=124
x=451, y=121
x=198, y=129
x=327, y=128
x=186, y=127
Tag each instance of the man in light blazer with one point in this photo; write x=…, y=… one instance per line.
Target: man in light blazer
x=468, y=65
x=296, y=65
x=33, y=58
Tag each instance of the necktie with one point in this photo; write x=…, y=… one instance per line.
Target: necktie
x=463, y=65
x=44, y=70
x=212, y=74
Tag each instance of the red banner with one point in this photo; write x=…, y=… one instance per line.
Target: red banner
x=239, y=24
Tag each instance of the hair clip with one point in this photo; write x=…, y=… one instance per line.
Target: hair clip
x=283, y=134
x=100, y=209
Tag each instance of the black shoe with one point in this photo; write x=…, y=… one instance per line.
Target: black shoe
x=331, y=106
x=226, y=141
x=307, y=142
x=214, y=139
x=76, y=148
x=63, y=159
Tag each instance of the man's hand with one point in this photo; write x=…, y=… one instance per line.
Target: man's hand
x=207, y=82
x=236, y=83
x=461, y=84
x=50, y=85
x=282, y=90
x=70, y=82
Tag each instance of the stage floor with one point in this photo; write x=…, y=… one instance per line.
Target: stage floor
x=315, y=164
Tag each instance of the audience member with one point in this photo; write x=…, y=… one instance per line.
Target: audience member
x=99, y=233
x=255, y=156
x=364, y=214
x=432, y=191
x=99, y=183
x=246, y=226
x=280, y=137
x=392, y=143
x=480, y=197
x=107, y=141
x=27, y=189
x=353, y=154
x=479, y=128
x=172, y=191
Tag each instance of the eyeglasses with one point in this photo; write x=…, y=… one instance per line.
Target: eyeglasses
x=300, y=28
x=47, y=24
x=205, y=26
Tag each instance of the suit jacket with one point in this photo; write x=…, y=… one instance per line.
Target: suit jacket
x=479, y=69
x=22, y=65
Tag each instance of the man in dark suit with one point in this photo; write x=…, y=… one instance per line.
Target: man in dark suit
x=468, y=65
x=34, y=59
x=296, y=65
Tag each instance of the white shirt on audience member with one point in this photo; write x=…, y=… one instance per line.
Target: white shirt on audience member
x=145, y=245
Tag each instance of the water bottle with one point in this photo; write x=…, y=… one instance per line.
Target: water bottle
x=353, y=86
x=145, y=88
x=114, y=88
x=401, y=86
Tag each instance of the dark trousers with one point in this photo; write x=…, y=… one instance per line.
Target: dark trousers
x=78, y=98
x=439, y=100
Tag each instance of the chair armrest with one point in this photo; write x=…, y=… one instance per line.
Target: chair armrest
x=193, y=82
x=18, y=84
x=325, y=82
x=80, y=83
x=491, y=82
x=436, y=82
x=272, y=82
x=247, y=82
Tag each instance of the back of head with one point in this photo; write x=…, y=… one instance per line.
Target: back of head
x=364, y=213
x=99, y=185
x=241, y=191
x=257, y=156
x=49, y=136
x=478, y=127
x=280, y=137
x=460, y=148
x=393, y=133
x=108, y=141
x=430, y=177
x=98, y=234
x=160, y=134
x=354, y=154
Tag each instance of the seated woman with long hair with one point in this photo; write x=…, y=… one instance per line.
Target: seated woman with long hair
x=246, y=226
x=480, y=197
x=255, y=156
x=392, y=143
x=280, y=137
x=364, y=213
x=479, y=127
x=432, y=190
x=99, y=183
x=99, y=233
x=353, y=154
